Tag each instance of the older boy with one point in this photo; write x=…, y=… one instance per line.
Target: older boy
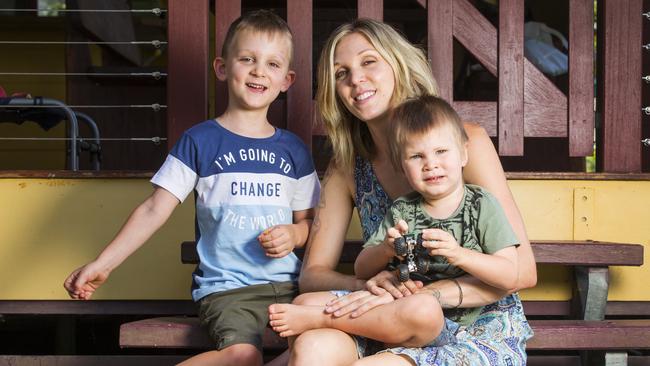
x=255, y=190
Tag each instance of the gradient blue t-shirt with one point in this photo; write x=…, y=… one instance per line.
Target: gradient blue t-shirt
x=243, y=186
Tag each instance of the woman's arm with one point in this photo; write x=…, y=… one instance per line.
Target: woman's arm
x=475, y=292
x=374, y=258
x=327, y=235
x=484, y=169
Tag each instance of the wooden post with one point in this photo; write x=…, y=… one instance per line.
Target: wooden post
x=188, y=64
x=581, y=77
x=373, y=9
x=299, y=96
x=511, y=77
x=441, y=45
x=619, y=85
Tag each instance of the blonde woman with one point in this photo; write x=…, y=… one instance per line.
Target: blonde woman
x=366, y=68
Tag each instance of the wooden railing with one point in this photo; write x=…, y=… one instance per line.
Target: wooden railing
x=529, y=104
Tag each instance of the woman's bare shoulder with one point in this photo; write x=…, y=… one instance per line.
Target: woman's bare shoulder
x=474, y=129
x=337, y=178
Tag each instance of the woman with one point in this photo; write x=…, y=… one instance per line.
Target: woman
x=366, y=68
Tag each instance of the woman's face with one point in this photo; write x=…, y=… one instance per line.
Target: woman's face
x=364, y=80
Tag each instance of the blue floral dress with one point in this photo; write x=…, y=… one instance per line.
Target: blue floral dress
x=499, y=334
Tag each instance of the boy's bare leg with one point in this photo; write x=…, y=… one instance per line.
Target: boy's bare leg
x=412, y=321
x=235, y=355
x=323, y=347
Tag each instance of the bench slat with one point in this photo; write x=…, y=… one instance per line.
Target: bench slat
x=179, y=332
x=184, y=332
x=568, y=253
x=590, y=335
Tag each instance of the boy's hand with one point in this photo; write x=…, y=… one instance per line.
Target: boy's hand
x=400, y=228
x=82, y=282
x=278, y=241
x=442, y=243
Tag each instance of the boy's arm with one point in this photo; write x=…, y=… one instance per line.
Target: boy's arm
x=498, y=269
x=143, y=222
x=280, y=240
x=484, y=169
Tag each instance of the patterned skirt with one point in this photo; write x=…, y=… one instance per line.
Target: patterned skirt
x=497, y=337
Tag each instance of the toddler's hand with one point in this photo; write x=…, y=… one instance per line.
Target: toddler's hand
x=442, y=243
x=278, y=241
x=400, y=228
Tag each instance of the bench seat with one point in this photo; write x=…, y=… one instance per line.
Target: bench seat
x=588, y=331
x=185, y=332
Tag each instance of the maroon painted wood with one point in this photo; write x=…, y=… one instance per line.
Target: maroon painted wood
x=187, y=82
x=107, y=174
x=545, y=107
x=299, y=96
x=561, y=252
x=179, y=332
x=588, y=253
x=98, y=307
x=645, y=92
x=511, y=78
x=619, y=86
x=171, y=332
x=440, y=45
x=590, y=335
x=225, y=12
x=483, y=113
x=476, y=33
x=581, y=76
x=373, y=9
x=91, y=360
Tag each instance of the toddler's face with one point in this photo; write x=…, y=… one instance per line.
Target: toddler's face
x=433, y=162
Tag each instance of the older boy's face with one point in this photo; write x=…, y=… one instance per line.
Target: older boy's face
x=256, y=69
x=433, y=162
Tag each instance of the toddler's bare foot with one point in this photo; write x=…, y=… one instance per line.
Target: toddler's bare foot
x=290, y=320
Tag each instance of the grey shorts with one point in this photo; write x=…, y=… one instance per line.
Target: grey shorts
x=241, y=315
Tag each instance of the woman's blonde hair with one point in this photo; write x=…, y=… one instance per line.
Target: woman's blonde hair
x=348, y=135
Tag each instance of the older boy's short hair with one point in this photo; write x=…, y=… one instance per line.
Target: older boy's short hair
x=417, y=116
x=264, y=21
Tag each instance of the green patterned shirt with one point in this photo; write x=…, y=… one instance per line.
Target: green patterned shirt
x=478, y=223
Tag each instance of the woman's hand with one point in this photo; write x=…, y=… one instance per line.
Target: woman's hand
x=386, y=281
x=381, y=289
x=356, y=303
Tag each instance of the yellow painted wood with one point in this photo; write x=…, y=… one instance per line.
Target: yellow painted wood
x=48, y=227
x=583, y=213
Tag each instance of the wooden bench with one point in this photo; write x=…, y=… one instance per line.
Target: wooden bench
x=585, y=330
